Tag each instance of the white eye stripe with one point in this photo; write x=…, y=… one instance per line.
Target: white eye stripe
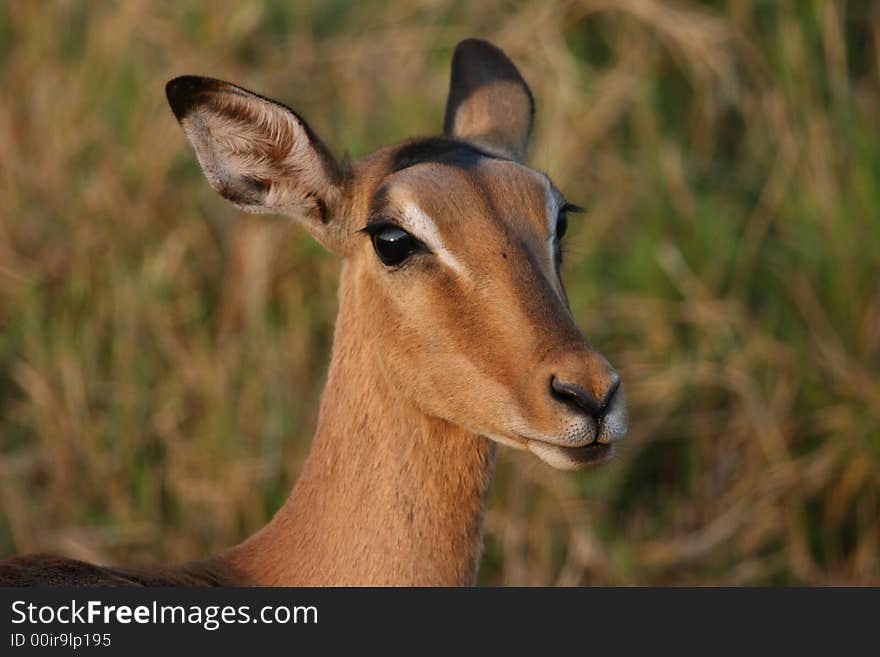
x=553, y=208
x=423, y=227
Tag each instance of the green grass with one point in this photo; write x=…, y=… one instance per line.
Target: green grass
x=162, y=354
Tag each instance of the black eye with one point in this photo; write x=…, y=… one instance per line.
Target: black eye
x=561, y=223
x=394, y=245
x=562, y=218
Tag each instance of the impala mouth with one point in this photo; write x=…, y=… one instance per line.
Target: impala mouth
x=559, y=456
x=571, y=458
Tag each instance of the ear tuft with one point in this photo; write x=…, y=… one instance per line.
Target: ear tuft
x=187, y=91
x=489, y=102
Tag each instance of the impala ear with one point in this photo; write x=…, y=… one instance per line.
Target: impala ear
x=260, y=155
x=489, y=102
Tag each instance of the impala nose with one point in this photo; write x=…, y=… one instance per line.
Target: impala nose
x=595, y=403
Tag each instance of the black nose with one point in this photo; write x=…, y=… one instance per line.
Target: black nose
x=574, y=395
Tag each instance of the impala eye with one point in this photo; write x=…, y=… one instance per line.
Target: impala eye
x=394, y=245
x=561, y=223
x=562, y=218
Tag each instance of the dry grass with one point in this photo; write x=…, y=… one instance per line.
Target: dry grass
x=161, y=355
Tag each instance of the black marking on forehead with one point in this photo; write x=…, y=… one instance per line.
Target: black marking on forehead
x=439, y=150
x=378, y=203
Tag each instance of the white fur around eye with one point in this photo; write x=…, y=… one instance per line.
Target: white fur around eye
x=425, y=229
x=554, y=205
x=552, y=215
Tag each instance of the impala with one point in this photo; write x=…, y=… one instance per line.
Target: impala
x=453, y=334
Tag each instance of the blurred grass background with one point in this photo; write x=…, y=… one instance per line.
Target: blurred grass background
x=162, y=354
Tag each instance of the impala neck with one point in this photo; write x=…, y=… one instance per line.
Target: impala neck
x=387, y=496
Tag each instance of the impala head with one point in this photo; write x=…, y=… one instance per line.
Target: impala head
x=453, y=253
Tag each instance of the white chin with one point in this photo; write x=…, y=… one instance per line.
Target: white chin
x=571, y=458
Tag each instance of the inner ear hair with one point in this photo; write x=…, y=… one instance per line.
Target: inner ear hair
x=261, y=156
x=256, y=152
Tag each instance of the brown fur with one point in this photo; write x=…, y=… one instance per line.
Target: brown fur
x=468, y=342
x=388, y=494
